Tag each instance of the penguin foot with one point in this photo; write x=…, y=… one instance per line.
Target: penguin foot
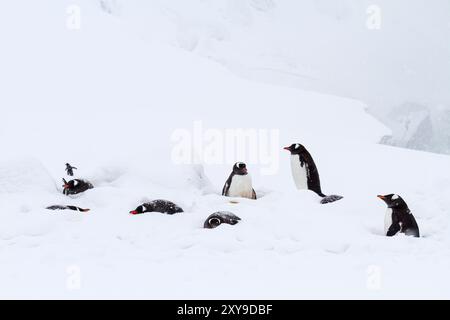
x=330, y=199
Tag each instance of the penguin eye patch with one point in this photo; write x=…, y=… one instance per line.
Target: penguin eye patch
x=297, y=146
x=241, y=165
x=395, y=197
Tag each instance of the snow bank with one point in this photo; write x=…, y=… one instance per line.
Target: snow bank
x=23, y=175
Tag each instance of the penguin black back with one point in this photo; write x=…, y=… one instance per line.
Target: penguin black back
x=307, y=161
x=76, y=186
x=73, y=208
x=162, y=206
x=399, y=219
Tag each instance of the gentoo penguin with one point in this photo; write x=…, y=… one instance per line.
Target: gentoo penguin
x=76, y=186
x=398, y=217
x=57, y=207
x=305, y=174
x=217, y=218
x=162, y=206
x=239, y=184
x=69, y=169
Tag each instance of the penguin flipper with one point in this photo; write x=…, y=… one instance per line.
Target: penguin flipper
x=227, y=185
x=254, y=194
x=225, y=189
x=330, y=199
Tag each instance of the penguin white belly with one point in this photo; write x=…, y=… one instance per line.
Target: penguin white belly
x=387, y=220
x=241, y=186
x=299, y=173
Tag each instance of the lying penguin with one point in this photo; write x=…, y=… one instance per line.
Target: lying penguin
x=76, y=186
x=399, y=218
x=73, y=208
x=218, y=218
x=162, y=206
x=305, y=173
x=239, y=183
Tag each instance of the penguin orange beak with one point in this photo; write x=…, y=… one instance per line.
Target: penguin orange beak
x=133, y=212
x=381, y=197
x=287, y=148
x=66, y=186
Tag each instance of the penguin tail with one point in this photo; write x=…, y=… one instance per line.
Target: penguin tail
x=330, y=199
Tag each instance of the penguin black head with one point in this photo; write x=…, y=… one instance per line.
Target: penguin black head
x=240, y=168
x=71, y=184
x=295, y=148
x=214, y=223
x=393, y=201
x=141, y=209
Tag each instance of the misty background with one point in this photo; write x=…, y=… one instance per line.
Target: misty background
x=393, y=55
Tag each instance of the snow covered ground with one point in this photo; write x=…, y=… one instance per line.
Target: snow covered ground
x=115, y=106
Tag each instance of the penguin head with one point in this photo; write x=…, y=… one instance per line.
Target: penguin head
x=240, y=168
x=213, y=223
x=221, y=217
x=393, y=201
x=141, y=209
x=295, y=148
x=69, y=185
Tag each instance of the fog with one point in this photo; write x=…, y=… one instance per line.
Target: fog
x=393, y=55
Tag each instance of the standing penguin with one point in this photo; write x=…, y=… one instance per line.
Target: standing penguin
x=305, y=174
x=69, y=169
x=239, y=184
x=399, y=218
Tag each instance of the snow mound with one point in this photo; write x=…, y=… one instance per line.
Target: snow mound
x=24, y=175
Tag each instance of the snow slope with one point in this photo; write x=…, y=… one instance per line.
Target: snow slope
x=386, y=53
x=109, y=103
